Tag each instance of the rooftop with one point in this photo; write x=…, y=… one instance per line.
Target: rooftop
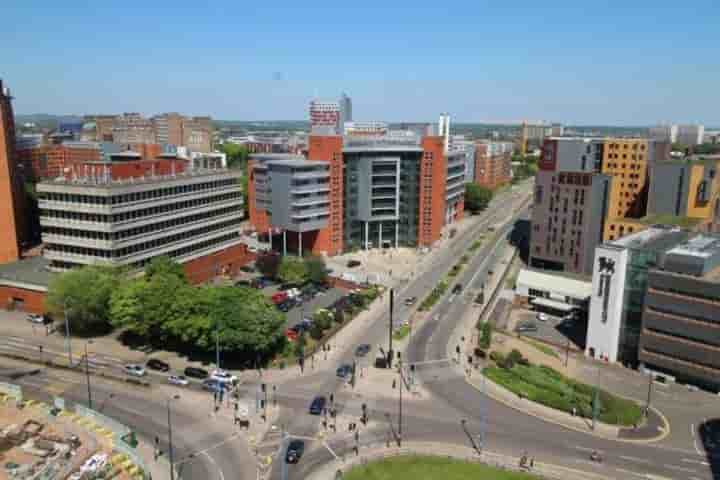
x=702, y=246
x=657, y=237
x=670, y=220
x=299, y=162
x=31, y=273
x=563, y=283
x=106, y=182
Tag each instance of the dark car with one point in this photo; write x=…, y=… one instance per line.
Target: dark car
x=353, y=263
x=247, y=269
x=527, y=327
x=195, y=372
x=159, y=365
x=344, y=371
x=409, y=301
x=243, y=283
x=294, y=451
x=362, y=350
x=457, y=289
x=317, y=405
x=286, y=305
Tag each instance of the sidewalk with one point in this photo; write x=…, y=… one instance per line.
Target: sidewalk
x=378, y=452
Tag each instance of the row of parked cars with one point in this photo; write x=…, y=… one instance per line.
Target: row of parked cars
x=212, y=381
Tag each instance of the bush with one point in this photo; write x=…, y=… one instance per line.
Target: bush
x=497, y=357
x=515, y=356
x=316, y=331
x=486, y=337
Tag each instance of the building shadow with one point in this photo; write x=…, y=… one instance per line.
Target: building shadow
x=708, y=433
x=519, y=237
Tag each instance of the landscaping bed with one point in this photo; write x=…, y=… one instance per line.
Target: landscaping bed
x=430, y=468
x=548, y=387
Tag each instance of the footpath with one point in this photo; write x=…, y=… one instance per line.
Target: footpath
x=379, y=452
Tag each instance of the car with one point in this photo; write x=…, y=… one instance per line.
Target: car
x=159, y=365
x=223, y=376
x=213, y=385
x=279, y=297
x=410, y=301
x=543, y=317
x=292, y=292
x=243, y=283
x=39, y=319
x=362, y=350
x=353, y=263
x=291, y=334
x=135, y=370
x=178, y=380
x=195, y=372
x=457, y=289
x=344, y=371
x=285, y=306
x=247, y=269
x=317, y=405
x=526, y=327
x=294, y=451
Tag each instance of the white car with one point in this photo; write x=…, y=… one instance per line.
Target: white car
x=178, y=380
x=293, y=292
x=222, y=376
x=543, y=317
x=39, y=319
x=135, y=370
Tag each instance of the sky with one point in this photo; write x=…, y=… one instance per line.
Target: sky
x=636, y=62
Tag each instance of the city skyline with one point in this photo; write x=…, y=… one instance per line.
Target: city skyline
x=482, y=63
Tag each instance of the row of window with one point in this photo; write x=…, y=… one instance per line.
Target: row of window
x=625, y=146
x=137, y=196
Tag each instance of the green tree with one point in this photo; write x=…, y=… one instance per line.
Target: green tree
x=316, y=331
x=268, y=264
x=316, y=269
x=86, y=293
x=164, y=265
x=477, y=198
x=237, y=155
x=323, y=318
x=292, y=270
x=300, y=344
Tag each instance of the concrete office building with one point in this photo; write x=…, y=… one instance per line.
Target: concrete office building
x=680, y=335
x=331, y=113
x=128, y=211
x=13, y=227
x=556, y=292
x=373, y=191
x=619, y=283
x=461, y=144
x=132, y=128
x=690, y=135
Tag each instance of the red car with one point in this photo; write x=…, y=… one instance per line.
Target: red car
x=279, y=297
x=291, y=334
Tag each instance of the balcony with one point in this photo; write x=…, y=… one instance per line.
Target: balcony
x=309, y=213
x=312, y=188
x=311, y=175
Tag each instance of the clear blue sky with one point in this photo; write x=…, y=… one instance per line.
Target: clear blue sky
x=631, y=62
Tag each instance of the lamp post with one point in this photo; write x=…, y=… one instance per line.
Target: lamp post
x=400, y=407
x=67, y=332
x=170, y=444
x=87, y=374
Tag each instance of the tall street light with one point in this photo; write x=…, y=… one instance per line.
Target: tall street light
x=87, y=373
x=67, y=332
x=170, y=446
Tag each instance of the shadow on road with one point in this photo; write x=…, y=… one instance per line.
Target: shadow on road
x=709, y=435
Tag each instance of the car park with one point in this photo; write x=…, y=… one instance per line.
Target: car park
x=195, y=372
x=135, y=370
x=362, y=350
x=317, y=405
x=178, y=380
x=159, y=365
x=344, y=371
x=294, y=451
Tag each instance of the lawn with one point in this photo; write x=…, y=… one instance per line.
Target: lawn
x=430, y=468
x=401, y=332
x=548, y=387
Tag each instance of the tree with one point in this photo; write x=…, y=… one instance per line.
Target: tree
x=300, y=343
x=268, y=264
x=477, y=197
x=316, y=269
x=85, y=292
x=292, y=270
x=323, y=318
x=164, y=265
x=237, y=155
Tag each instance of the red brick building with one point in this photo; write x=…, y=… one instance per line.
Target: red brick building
x=493, y=164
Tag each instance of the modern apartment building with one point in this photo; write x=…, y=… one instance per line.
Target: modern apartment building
x=690, y=135
x=493, y=163
x=372, y=191
x=616, y=200
x=664, y=133
x=128, y=211
x=680, y=334
x=13, y=227
x=331, y=114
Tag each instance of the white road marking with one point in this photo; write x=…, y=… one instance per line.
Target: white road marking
x=688, y=460
x=217, y=467
x=635, y=459
x=680, y=469
x=694, y=437
x=586, y=449
x=622, y=470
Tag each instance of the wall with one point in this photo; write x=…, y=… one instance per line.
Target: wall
x=433, y=173
x=224, y=262
x=12, y=226
x=34, y=301
x=258, y=217
x=329, y=148
x=606, y=303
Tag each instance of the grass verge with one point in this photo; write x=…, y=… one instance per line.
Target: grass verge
x=430, y=468
x=548, y=387
x=401, y=332
x=541, y=347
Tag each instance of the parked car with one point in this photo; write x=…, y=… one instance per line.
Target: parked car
x=291, y=334
x=279, y=297
x=292, y=292
x=247, y=269
x=178, y=380
x=526, y=327
x=223, y=376
x=353, y=263
x=159, y=365
x=243, y=283
x=195, y=372
x=344, y=371
x=285, y=306
x=317, y=405
x=213, y=385
x=457, y=289
x=294, y=451
x=543, y=317
x=362, y=350
x=135, y=370
x=39, y=319
x=409, y=301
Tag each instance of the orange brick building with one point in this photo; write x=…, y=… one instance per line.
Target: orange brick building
x=493, y=164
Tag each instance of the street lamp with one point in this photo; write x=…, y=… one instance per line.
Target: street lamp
x=87, y=373
x=67, y=332
x=170, y=444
